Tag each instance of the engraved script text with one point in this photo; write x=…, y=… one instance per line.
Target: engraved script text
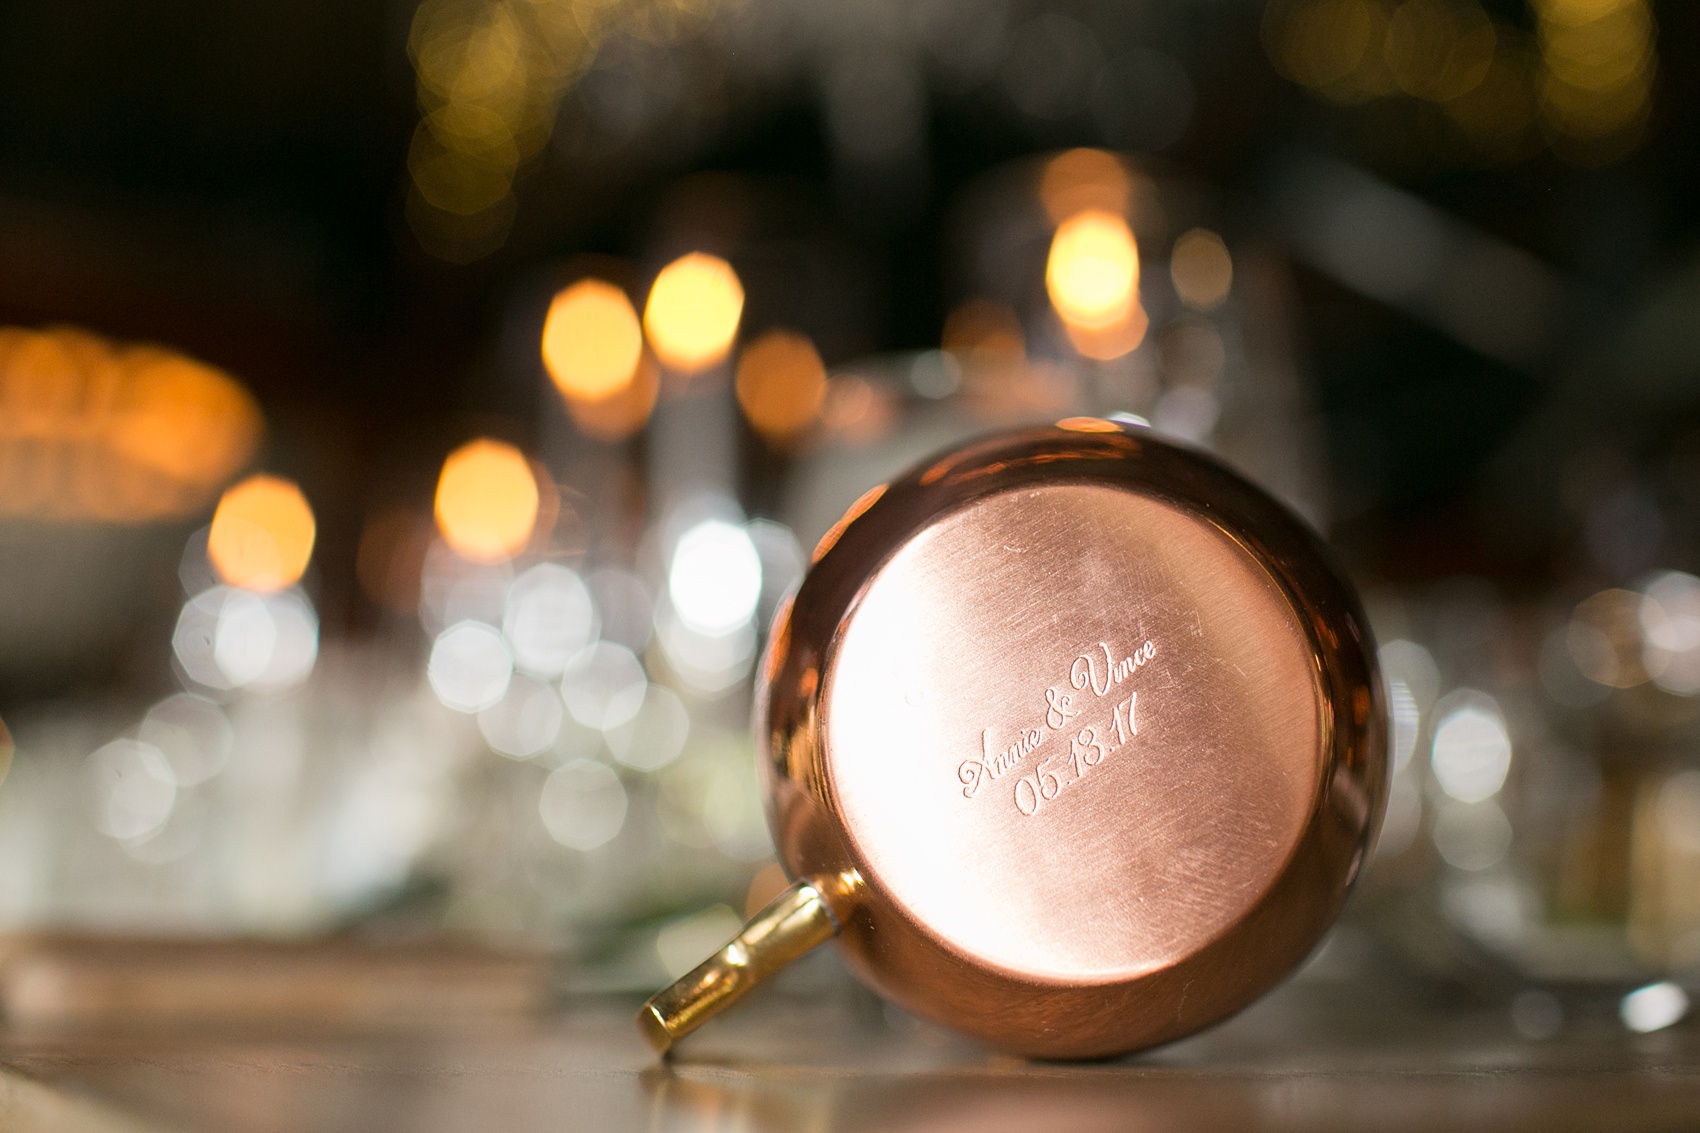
x=1096, y=671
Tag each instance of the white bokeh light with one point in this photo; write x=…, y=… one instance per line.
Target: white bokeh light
x=705, y=663
x=244, y=638
x=1404, y=720
x=470, y=667
x=192, y=733
x=1670, y=627
x=1472, y=751
x=548, y=619
x=623, y=605
x=604, y=686
x=1653, y=1008
x=655, y=736
x=295, y=646
x=525, y=721
x=1472, y=836
x=583, y=805
x=132, y=789
x=714, y=581
x=453, y=589
x=228, y=639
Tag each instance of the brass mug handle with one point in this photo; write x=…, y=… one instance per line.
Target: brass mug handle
x=807, y=914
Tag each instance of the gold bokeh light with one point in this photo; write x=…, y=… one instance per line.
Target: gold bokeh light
x=1081, y=179
x=262, y=534
x=693, y=310
x=487, y=500
x=781, y=384
x=592, y=342
x=93, y=430
x=1201, y=268
x=621, y=414
x=1586, y=73
x=1092, y=274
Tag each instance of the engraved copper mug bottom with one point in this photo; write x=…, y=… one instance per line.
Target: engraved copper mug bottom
x=1072, y=737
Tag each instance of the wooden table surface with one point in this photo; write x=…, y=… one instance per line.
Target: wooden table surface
x=1312, y=1057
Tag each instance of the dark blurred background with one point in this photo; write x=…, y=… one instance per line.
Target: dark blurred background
x=234, y=180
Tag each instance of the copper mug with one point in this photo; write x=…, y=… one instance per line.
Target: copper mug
x=1073, y=738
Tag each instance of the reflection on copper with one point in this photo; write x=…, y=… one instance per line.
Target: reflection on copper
x=1088, y=425
x=863, y=502
x=1101, y=780
x=90, y=430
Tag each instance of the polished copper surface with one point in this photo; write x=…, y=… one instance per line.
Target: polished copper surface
x=1095, y=727
x=1072, y=732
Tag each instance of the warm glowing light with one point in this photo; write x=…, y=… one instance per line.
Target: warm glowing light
x=781, y=384
x=1331, y=46
x=486, y=501
x=693, y=312
x=1597, y=72
x=1113, y=341
x=623, y=413
x=91, y=430
x=1093, y=271
x=262, y=534
x=592, y=342
x=1082, y=179
x=1201, y=268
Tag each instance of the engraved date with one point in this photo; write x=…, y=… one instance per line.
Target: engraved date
x=1087, y=748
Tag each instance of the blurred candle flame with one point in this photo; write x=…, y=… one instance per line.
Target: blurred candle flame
x=487, y=501
x=1093, y=270
x=693, y=310
x=592, y=342
x=262, y=534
